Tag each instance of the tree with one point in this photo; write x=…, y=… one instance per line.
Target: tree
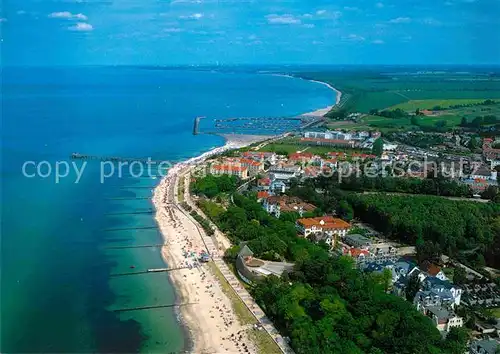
x=459, y=276
x=463, y=122
x=456, y=340
x=414, y=120
x=428, y=251
x=378, y=147
x=412, y=287
x=345, y=210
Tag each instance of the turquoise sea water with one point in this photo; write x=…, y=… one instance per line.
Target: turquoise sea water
x=57, y=294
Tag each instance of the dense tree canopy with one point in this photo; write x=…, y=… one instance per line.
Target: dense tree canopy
x=327, y=306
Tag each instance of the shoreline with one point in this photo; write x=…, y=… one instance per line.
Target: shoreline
x=322, y=111
x=195, y=323
x=209, y=318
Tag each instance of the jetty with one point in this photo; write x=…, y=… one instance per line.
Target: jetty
x=131, y=228
x=78, y=156
x=131, y=246
x=149, y=271
x=137, y=212
x=153, y=307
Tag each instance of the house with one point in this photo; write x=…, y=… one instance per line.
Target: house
x=275, y=205
x=328, y=238
x=358, y=241
x=484, y=346
x=263, y=184
x=443, y=288
x=262, y=195
x=253, y=167
x=328, y=142
x=300, y=157
x=429, y=270
x=360, y=256
x=324, y=224
x=277, y=186
x=229, y=169
x=260, y=156
x=443, y=319
x=250, y=268
x=424, y=299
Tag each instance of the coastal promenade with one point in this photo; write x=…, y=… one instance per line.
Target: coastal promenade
x=216, y=250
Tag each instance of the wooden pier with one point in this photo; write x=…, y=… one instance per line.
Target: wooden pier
x=139, y=246
x=78, y=156
x=149, y=271
x=150, y=211
x=154, y=307
x=128, y=198
x=131, y=228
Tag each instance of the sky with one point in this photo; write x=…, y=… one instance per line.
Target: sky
x=228, y=32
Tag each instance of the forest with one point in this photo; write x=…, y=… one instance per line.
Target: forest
x=328, y=306
x=450, y=227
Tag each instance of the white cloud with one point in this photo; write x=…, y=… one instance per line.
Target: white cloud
x=378, y=41
x=3, y=19
x=252, y=37
x=307, y=16
x=354, y=38
x=21, y=12
x=400, y=20
x=196, y=16
x=68, y=15
x=81, y=27
x=379, y=5
x=285, y=19
x=351, y=8
x=320, y=12
x=309, y=25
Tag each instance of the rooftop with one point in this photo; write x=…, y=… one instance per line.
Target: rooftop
x=325, y=222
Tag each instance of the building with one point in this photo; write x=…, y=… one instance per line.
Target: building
x=229, y=169
x=443, y=288
x=358, y=241
x=328, y=142
x=251, y=269
x=429, y=270
x=482, y=295
x=276, y=205
x=253, y=167
x=443, y=319
x=424, y=299
x=324, y=224
x=484, y=346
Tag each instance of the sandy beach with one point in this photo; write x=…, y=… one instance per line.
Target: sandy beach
x=204, y=308
x=322, y=111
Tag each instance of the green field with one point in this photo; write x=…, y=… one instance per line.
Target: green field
x=292, y=145
x=429, y=104
x=379, y=88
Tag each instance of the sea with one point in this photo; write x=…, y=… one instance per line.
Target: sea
x=69, y=227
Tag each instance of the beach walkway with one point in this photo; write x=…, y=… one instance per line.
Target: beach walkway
x=216, y=254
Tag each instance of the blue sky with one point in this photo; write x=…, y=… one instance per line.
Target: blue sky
x=166, y=32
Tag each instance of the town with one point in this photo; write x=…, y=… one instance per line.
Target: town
x=450, y=289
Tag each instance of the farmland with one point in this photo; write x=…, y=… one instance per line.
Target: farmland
x=379, y=88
